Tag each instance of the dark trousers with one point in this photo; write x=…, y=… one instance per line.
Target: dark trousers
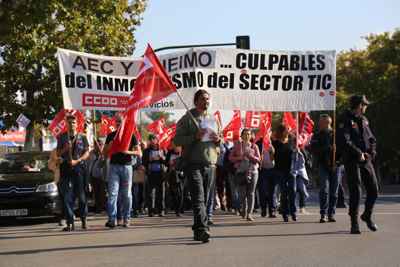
x=267, y=184
x=200, y=179
x=223, y=188
x=99, y=192
x=341, y=199
x=61, y=198
x=328, y=193
x=176, y=192
x=137, y=197
x=357, y=173
x=156, y=201
x=74, y=187
x=288, y=193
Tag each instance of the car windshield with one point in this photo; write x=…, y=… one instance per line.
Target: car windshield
x=23, y=162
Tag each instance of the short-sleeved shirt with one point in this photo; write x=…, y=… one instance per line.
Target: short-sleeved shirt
x=121, y=158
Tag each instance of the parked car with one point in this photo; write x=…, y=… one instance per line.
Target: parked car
x=27, y=186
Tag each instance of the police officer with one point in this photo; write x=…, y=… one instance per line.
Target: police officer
x=357, y=146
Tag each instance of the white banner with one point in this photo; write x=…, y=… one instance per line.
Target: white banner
x=253, y=80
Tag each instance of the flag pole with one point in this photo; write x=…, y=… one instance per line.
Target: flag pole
x=188, y=111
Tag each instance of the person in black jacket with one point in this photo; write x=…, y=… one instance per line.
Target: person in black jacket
x=357, y=146
x=154, y=162
x=322, y=147
x=283, y=162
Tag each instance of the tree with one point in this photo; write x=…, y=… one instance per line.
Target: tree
x=375, y=72
x=31, y=31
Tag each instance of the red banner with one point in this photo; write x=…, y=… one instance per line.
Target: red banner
x=157, y=127
x=59, y=124
x=166, y=137
x=108, y=125
x=253, y=119
x=232, y=131
x=265, y=130
x=306, y=126
x=152, y=85
x=290, y=122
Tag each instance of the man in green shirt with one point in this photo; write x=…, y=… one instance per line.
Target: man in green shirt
x=199, y=135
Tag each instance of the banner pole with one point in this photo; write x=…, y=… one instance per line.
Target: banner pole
x=188, y=111
x=334, y=139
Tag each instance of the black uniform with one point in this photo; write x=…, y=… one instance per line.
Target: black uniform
x=354, y=138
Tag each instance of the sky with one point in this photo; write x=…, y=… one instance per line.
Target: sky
x=272, y=25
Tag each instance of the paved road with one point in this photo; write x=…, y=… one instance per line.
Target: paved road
x=235, y=242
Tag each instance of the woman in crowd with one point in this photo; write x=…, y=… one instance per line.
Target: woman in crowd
x=246, y=157
x=283, y=161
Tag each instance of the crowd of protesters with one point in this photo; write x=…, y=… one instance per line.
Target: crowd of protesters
x=239, y=177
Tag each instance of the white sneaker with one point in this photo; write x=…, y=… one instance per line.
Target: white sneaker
x=303, y=211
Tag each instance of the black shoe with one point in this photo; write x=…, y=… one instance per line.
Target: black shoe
x=202, y=236
x=263, y=212
x=294, y=217
x=161, y=214
x=285, y=218
x=371, y=225
x=210, y=222
x=355, y=228
x=272, y=215
x=110, y=225
x=178, y=214
x=126, y=224
x=151, y=214
x=331, y=218
x=323, y=219
x=69, y=228
x=84, y=224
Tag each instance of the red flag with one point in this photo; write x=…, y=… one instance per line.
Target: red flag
x=166, y=137
x=123, y=137
x=157, y=127
x=59, y=124
x=152, y=83
x=218, y=118
x=254, y=118
x=289, y=121
x=265, y=130
x=306, y=126
x=232, y=131
x=108, y=125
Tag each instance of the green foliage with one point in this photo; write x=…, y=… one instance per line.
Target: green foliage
x=30, y=33
x=375, y=72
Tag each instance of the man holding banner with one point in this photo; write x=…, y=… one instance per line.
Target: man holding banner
x=199, y=135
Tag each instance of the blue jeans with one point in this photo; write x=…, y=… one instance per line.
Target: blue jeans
x=288, y=193
x=200, y=180
x=211, y=199
x=234, y=191
x=329, y=184
x=74, y=186
x=119, y=182
x=301, y=188
x=268, y=184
